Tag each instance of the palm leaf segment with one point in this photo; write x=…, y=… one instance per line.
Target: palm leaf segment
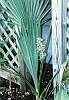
x=27, y=14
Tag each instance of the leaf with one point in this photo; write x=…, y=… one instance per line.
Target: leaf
x=27, y=15
x=2, y=42
x=62, y=95
x=64, y=71
x=2, y=61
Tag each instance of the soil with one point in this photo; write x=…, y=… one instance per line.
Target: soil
x=29, y=98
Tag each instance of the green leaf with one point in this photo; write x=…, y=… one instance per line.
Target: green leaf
x=27, y=14
x=2, y=42
x=62, y=95
x=2, y=61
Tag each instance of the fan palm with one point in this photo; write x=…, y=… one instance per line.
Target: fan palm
x=28, y=15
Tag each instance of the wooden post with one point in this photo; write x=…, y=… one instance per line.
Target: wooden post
x=56, y=38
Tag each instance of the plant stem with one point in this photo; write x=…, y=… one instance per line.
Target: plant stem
x=41, y=68
x=40, y=75
x=38, y=98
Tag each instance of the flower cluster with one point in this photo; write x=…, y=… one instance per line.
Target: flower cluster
x=41, y=48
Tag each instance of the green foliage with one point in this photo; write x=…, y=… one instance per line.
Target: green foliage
x=28, y=15
x=66, y=75
x=62, y=95
x=2, y=89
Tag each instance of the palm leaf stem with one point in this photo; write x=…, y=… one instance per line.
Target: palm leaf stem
x=40, y=75
x=49, y=84
x=51, y=92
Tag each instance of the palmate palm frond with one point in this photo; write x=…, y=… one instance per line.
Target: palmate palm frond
x=27, y=42
x=27, y=14
x=24, y=8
